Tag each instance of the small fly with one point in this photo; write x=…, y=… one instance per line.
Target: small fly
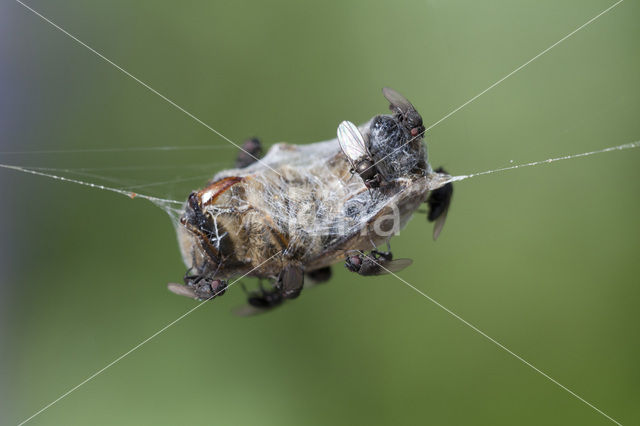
x=355, y=149
x=375, y=263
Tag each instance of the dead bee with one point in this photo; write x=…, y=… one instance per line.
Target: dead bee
x=355, y=149
x=375, y=263
x=297, y=211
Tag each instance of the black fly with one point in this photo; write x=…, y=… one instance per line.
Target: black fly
x=375, y=263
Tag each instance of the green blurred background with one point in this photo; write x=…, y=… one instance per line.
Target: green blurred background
x=545, y=259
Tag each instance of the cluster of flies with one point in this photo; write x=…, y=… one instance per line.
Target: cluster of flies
x=224, y=232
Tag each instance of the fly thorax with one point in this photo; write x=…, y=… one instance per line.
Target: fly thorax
x=396, y=153
x=365, y=168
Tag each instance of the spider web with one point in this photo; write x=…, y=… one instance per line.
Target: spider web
x=128, y=179
x=167, y=193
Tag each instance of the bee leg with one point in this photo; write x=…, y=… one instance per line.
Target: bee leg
x=438, y=202
x=249, y=154
x=382, y=256
x=373, y=244
x=320, y=275
x=290, y=281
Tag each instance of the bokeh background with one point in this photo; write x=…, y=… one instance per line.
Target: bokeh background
x=544, y=259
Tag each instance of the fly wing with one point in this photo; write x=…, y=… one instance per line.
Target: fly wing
x=398, y=103
x=351, y=141
x=248, y=310
x=439, y=223
x=182, y=290
x=439, y=201
x=396, y=265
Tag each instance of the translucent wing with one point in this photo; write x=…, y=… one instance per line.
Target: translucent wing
x=439, y=224
x=396, y=265
x=439, y=201
x=397, y=101
x=351, y=141
x=248, y=310
x=182, y=290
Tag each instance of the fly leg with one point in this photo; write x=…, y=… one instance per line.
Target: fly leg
x=250, y=153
